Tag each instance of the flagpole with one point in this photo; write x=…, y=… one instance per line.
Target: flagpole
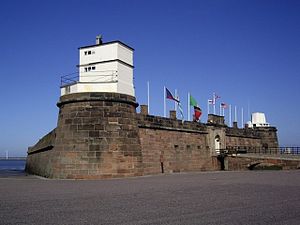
x=189, y=107
x=208, y=106
x=235, y=114
x=165, y=110
x=220, y=114
x=175, y=103
x=242, y=117
x=248, y=113
x=148, y=92
x=230, y=116
x=214, y=102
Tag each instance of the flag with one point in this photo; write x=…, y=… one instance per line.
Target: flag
x=224, y=105
x=193, y=102
x=215, y=97
x=170, y=96
x=179, y=107
x=198, y=113
x=181, y=111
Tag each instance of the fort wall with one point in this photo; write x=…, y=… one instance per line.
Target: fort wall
x=171, y=146
x=250, y=139
x=100, y=135
x=96, y=137
x=245, y=162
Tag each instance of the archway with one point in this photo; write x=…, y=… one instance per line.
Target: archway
x=217, y=144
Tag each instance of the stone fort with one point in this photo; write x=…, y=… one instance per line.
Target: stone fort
x=99, y=133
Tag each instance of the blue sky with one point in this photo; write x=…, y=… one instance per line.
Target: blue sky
x=248, y=52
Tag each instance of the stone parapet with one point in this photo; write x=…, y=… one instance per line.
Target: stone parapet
x=97, y=96
x=144, y=109
x=44, y=144
x=157, y=122
x=216, y=119
x=236, y=132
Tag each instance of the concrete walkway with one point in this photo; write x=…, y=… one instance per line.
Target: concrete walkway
x=231, y=198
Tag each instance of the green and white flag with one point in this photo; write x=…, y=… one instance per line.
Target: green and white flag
x=193, y=102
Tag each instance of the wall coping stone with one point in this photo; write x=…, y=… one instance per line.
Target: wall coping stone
x=256, y=156
x=172, y=129
x=44, y=144
x=101, y=96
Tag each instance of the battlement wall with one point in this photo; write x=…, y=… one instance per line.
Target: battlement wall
x=170, y=145
x=251, y=138
x=100, y=135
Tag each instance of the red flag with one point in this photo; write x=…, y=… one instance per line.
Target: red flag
x=198, y=113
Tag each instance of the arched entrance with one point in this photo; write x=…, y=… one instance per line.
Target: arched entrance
x=217, y=144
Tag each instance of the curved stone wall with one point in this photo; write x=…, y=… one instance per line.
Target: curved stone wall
x=96, y=137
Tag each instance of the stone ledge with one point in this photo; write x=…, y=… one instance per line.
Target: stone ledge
x=44, y=144
x=172, y=129
x=92, y=97
x=242, y=136
x=256, y=156
x=40, y=150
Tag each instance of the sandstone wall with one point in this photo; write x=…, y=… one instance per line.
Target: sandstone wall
x=172, y=146
x=243, y=162
x=40, y=157
x=100, y=135
x=96, y=137
x=251, y=139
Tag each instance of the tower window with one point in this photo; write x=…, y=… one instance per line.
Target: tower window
x=86, y=69
x=89, y=52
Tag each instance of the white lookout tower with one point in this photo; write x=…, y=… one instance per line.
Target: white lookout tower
x=103, y=67
x=258, y=119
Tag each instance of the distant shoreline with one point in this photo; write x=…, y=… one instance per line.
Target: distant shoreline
x=13, y=158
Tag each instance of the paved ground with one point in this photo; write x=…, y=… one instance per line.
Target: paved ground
x=231, y=198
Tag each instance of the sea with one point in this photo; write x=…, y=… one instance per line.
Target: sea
x=12, y=167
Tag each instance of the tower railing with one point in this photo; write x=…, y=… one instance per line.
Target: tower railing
x=89, y=77
x=69, y=79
